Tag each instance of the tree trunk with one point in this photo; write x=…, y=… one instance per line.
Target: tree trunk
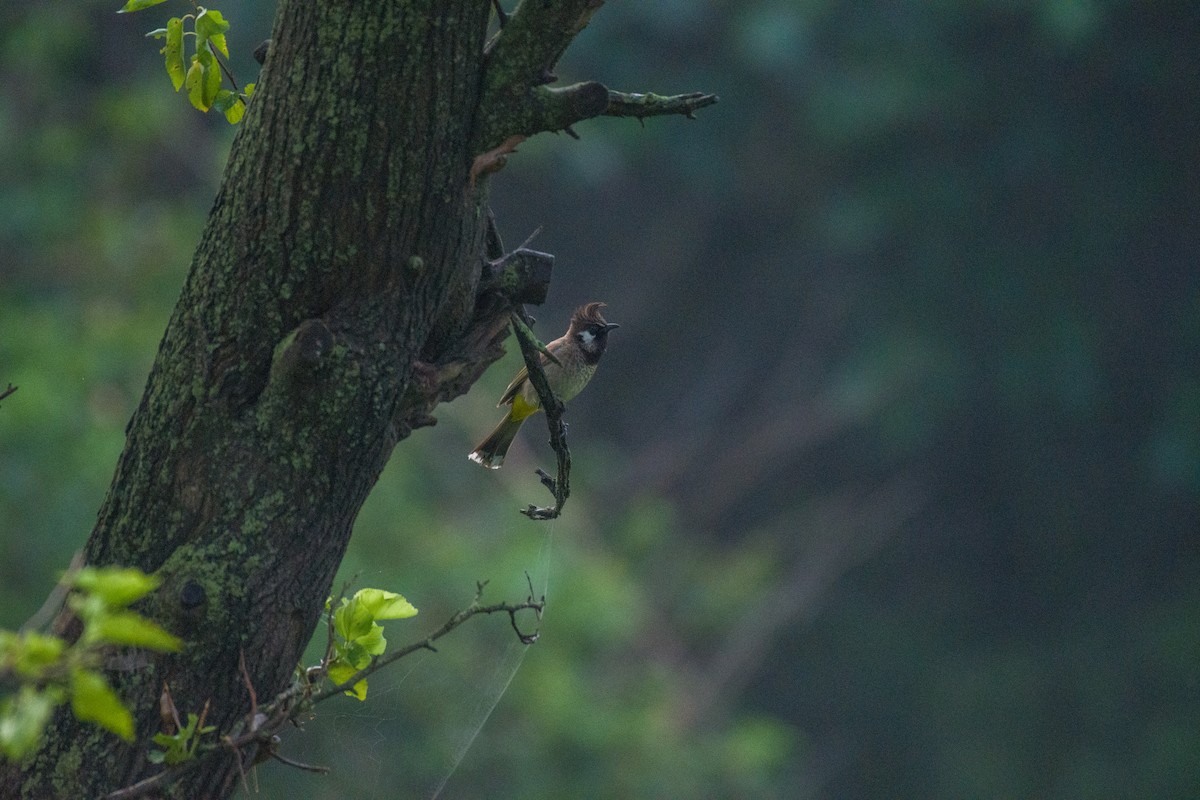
x=342, y=249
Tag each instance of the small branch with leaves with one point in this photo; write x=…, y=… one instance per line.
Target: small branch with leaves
x=353, y=633
x=560, y=487
x=347, y=685
x=202, y=73
x=44, y=670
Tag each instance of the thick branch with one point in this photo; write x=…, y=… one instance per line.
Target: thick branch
x=516, y=103
x=521, y=59
x=534, y=37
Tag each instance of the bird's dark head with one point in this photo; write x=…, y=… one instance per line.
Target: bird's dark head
x=590, y=330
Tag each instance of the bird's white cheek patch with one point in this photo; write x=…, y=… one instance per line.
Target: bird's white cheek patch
x=586, y=337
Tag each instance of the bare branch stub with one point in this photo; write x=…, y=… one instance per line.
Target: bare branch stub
x=626, y=104
x=561, y=486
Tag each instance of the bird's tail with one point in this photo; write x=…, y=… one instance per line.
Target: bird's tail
x=491, y=451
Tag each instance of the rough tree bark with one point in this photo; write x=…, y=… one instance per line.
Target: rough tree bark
x=338, y=293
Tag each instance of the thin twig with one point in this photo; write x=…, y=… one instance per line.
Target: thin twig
x=7, y=391
x=300, y=764
x=228, y=72
x=559, y=487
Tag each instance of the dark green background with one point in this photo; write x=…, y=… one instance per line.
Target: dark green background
x=888, y=486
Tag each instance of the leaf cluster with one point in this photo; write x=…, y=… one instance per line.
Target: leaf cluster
x=201, y=71
x=181, y=745
x=46, y=671
x=357, y=636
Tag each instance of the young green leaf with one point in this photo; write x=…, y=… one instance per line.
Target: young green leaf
x=31, y=653
x=351, y=620
x=340, y=673
x=23, y=717
x=116, y=586
x=232, y=106
x=224, y=100
x=211, y=27
x=93, y=700
x=248, y=91
x=203, y=79
x=229, y=104
x=235, y=112
x=212, y=79
x=138, y=5
x=385, y=605
x=129, y=628
x=372, y=641
x=181, y=745
x=174, y=52
x=194, y=79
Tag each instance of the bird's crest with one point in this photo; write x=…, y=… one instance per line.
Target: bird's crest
x=587, y=315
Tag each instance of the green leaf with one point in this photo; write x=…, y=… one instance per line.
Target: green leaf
x=88, y=606
x=23, y=717
x=372, y=641
x=157, y=33
x=32, y=652
x=224, y=100
x=129, y=628
x=231, y=105
x=212, y=79
x=93, y=700
x=210, y=22
x=181, y=745
x=138, y=5
x=174, y=52
x=351, y=620
x=340, y=673
x=195, y=74
x=203, y=79
x=235, y=112
x=385, y=605
x=211, y=27
x=352, y=653
x=117, y=586
x=248, y=92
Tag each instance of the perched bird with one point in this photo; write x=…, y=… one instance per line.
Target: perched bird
x=578, y=351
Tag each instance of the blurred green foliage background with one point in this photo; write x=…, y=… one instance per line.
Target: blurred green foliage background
x=889, y=485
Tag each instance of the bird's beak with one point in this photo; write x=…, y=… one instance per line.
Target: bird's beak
x=608, y=326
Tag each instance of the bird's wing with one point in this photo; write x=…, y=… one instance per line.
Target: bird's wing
x=518, y=383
